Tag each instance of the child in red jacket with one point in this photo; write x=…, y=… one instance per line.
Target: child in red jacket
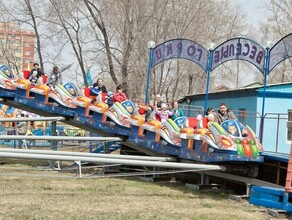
x=119, y=96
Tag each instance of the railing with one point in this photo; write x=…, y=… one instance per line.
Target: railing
x=274, y=132
x=192, y=110
x=274, y=126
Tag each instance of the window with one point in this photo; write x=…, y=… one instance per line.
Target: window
x=27, y=53
x=27, y=44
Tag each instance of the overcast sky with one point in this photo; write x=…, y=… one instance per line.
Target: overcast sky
x=254, y=10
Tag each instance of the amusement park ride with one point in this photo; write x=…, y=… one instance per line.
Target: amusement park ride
x=192, y=139
x=185, y=138
x=195, y=140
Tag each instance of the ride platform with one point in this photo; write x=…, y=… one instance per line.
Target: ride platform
x=269, y=197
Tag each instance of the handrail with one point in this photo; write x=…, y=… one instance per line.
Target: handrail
x=178, y=165
x=58, y=138
x=95, y=155
x=32, y=119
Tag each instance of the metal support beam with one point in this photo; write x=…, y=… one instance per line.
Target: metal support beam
x=79, y=166
x=32, y=119
x=54, y=133
x=58, y=138
x=246, y=180
x=95, y=155
x=195, y=167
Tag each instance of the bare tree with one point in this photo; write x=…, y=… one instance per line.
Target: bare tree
x=111, y=36
x=98, y=20
x=278, y=25
x=34, y=25
x=199, y=21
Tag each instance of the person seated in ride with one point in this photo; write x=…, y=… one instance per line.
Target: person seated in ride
x=177, y=110
x=35, y=73
x=211, y=115
x=97, y=87
x=119, y=96
x=209, y=111
x=163, y=113
x=54, y=78
x=224, y=113
x=232, y=130
x=157, y=103
x=73, y=92
x=109, y=98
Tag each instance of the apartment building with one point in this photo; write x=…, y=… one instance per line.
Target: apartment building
x=16, y=47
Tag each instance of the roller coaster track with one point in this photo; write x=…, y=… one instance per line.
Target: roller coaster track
x=70, y=121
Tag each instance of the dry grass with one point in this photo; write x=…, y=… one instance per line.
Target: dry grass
x=60, y=198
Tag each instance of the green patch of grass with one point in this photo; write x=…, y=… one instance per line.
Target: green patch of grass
x=113, y=198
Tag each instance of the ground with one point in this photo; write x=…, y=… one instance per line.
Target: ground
x=52, y=195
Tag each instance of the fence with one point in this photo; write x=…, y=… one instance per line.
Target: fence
x=274, y=132
x=62, y=130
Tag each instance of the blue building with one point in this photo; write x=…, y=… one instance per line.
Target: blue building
x=246, y=103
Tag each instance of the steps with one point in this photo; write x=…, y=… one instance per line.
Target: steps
x=276, y=198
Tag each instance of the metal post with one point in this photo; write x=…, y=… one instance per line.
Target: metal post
x=209, y=67
x=54, y=133
x=151, y=45
x=202, y=175
x=248, y=189
x=277, y=137
x=90, y=143
x=52, y=163
x=266, y=72
x=78, y=162
x=237, y=73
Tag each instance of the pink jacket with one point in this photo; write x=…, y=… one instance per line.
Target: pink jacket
x=164, y=114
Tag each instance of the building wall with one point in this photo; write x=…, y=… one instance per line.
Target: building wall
x=243, y=105
x=278, y=101
x=274, y=134
x=17, y=47
x=27, y=50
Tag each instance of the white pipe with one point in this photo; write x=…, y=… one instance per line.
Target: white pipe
x=32, y=119
x=94, y=155
x=113, y=161
x=58, y=138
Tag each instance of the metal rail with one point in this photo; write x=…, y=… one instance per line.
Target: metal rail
x=32, y=119
x=246, y=180
x=144, y=163
x=94, y=155
x=58, y=138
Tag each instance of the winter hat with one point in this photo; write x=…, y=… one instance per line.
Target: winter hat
x=109, y=93
x=164, y=106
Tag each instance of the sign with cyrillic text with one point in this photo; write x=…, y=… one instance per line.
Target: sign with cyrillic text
x=180, y=48
x=239, y=49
